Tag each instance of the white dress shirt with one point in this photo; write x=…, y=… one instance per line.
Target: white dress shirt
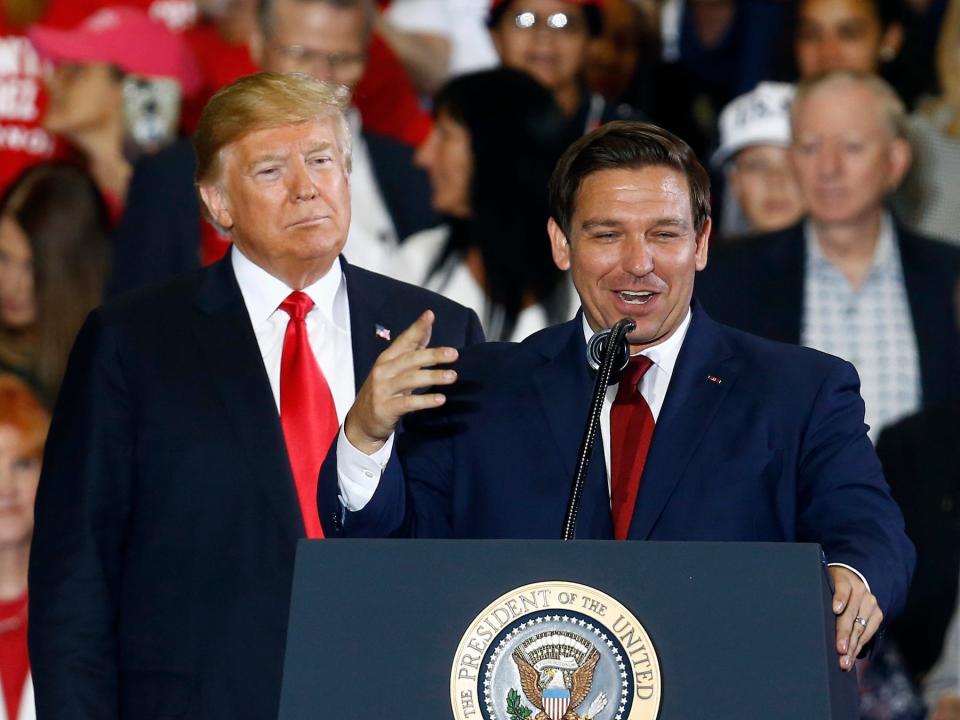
x=328, y=330
x=653, y=384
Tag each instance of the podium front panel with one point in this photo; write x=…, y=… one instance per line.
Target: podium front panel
x=740, y=630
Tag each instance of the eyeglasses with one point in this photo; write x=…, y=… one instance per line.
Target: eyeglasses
x=559, y=21
x=307, y=57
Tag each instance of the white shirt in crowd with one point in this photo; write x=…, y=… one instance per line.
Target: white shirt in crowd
x=372, y=241
x=869, y=326
x=462, y=22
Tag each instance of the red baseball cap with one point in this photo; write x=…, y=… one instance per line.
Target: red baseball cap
x=126, y=37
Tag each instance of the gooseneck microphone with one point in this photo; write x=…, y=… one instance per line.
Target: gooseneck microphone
x=608, y=353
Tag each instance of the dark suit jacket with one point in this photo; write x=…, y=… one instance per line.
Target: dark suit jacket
x=757, y=286
x=167, y=518
x=776, y=451
x=921, y=459
x=159, y=233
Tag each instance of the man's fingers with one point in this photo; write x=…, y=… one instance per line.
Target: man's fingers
x=864, y=617
x=873, y=624
x=414, y=337
x=419, y=379
x=851, y=594
x=415, y=360
x=841, y=594
x=404, y=404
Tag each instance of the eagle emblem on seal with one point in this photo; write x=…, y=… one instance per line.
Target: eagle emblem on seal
x=556, y=673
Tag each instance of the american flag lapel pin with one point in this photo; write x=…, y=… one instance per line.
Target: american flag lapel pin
x=714, y=379
x=381, y=332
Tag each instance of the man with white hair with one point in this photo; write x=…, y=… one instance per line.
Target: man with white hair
x=849, y=280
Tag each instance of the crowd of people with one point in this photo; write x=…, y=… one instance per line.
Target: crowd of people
x=831, y=130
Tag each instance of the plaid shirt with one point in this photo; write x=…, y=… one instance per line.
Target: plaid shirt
x=869, y=326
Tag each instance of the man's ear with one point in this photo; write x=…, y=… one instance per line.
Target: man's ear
x=703, y=244
x=901, y=155
x=559, y=247
x=217, y=204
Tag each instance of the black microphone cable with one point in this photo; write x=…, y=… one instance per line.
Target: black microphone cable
x=605, y=349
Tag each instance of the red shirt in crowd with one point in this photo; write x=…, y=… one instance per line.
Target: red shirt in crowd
x=23, y=97
x=14, y=661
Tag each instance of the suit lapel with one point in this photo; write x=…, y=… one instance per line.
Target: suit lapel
x=564, y=385
x=689, y=408
x=228, y=347
x=369, y=313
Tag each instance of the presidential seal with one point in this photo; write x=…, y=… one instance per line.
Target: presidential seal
x=555, y=651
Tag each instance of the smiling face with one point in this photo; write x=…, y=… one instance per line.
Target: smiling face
x=284, y=196
x=633, y=250
x=554, y=56
x=845, y=156
x=447, y=157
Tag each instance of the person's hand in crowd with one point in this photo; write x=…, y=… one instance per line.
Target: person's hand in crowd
x=388, y=392
x=858, y=615
x=947, y=708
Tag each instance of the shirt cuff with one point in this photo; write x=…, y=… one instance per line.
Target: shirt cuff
x=358, y=474
x=851, y=569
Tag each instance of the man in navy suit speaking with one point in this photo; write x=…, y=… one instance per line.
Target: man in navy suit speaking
x=711, y=434
x=181, y=467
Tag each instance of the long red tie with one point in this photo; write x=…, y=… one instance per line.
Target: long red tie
x=631, y=429
x=307, y=412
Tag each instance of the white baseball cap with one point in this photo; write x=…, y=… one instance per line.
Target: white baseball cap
x=759, y=117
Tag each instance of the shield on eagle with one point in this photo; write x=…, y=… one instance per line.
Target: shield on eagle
x=555, y=702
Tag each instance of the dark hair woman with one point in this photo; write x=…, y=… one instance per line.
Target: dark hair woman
x=53, y=258
x=497, y=136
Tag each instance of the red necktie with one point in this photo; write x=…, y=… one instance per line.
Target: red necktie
x=631, y=429
x=307, y=412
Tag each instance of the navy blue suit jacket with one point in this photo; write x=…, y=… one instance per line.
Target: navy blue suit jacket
x=167, y=519
x=757, y=286
x=775, y=451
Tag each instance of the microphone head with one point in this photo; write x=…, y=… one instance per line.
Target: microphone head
x=596, y=351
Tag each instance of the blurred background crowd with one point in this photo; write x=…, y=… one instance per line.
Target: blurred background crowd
x=831, y=129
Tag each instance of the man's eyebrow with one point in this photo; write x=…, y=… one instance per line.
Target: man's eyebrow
x=600, y=222
x=317, y=147
x=611, y=222
x=266, y=158
x=671, y=222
